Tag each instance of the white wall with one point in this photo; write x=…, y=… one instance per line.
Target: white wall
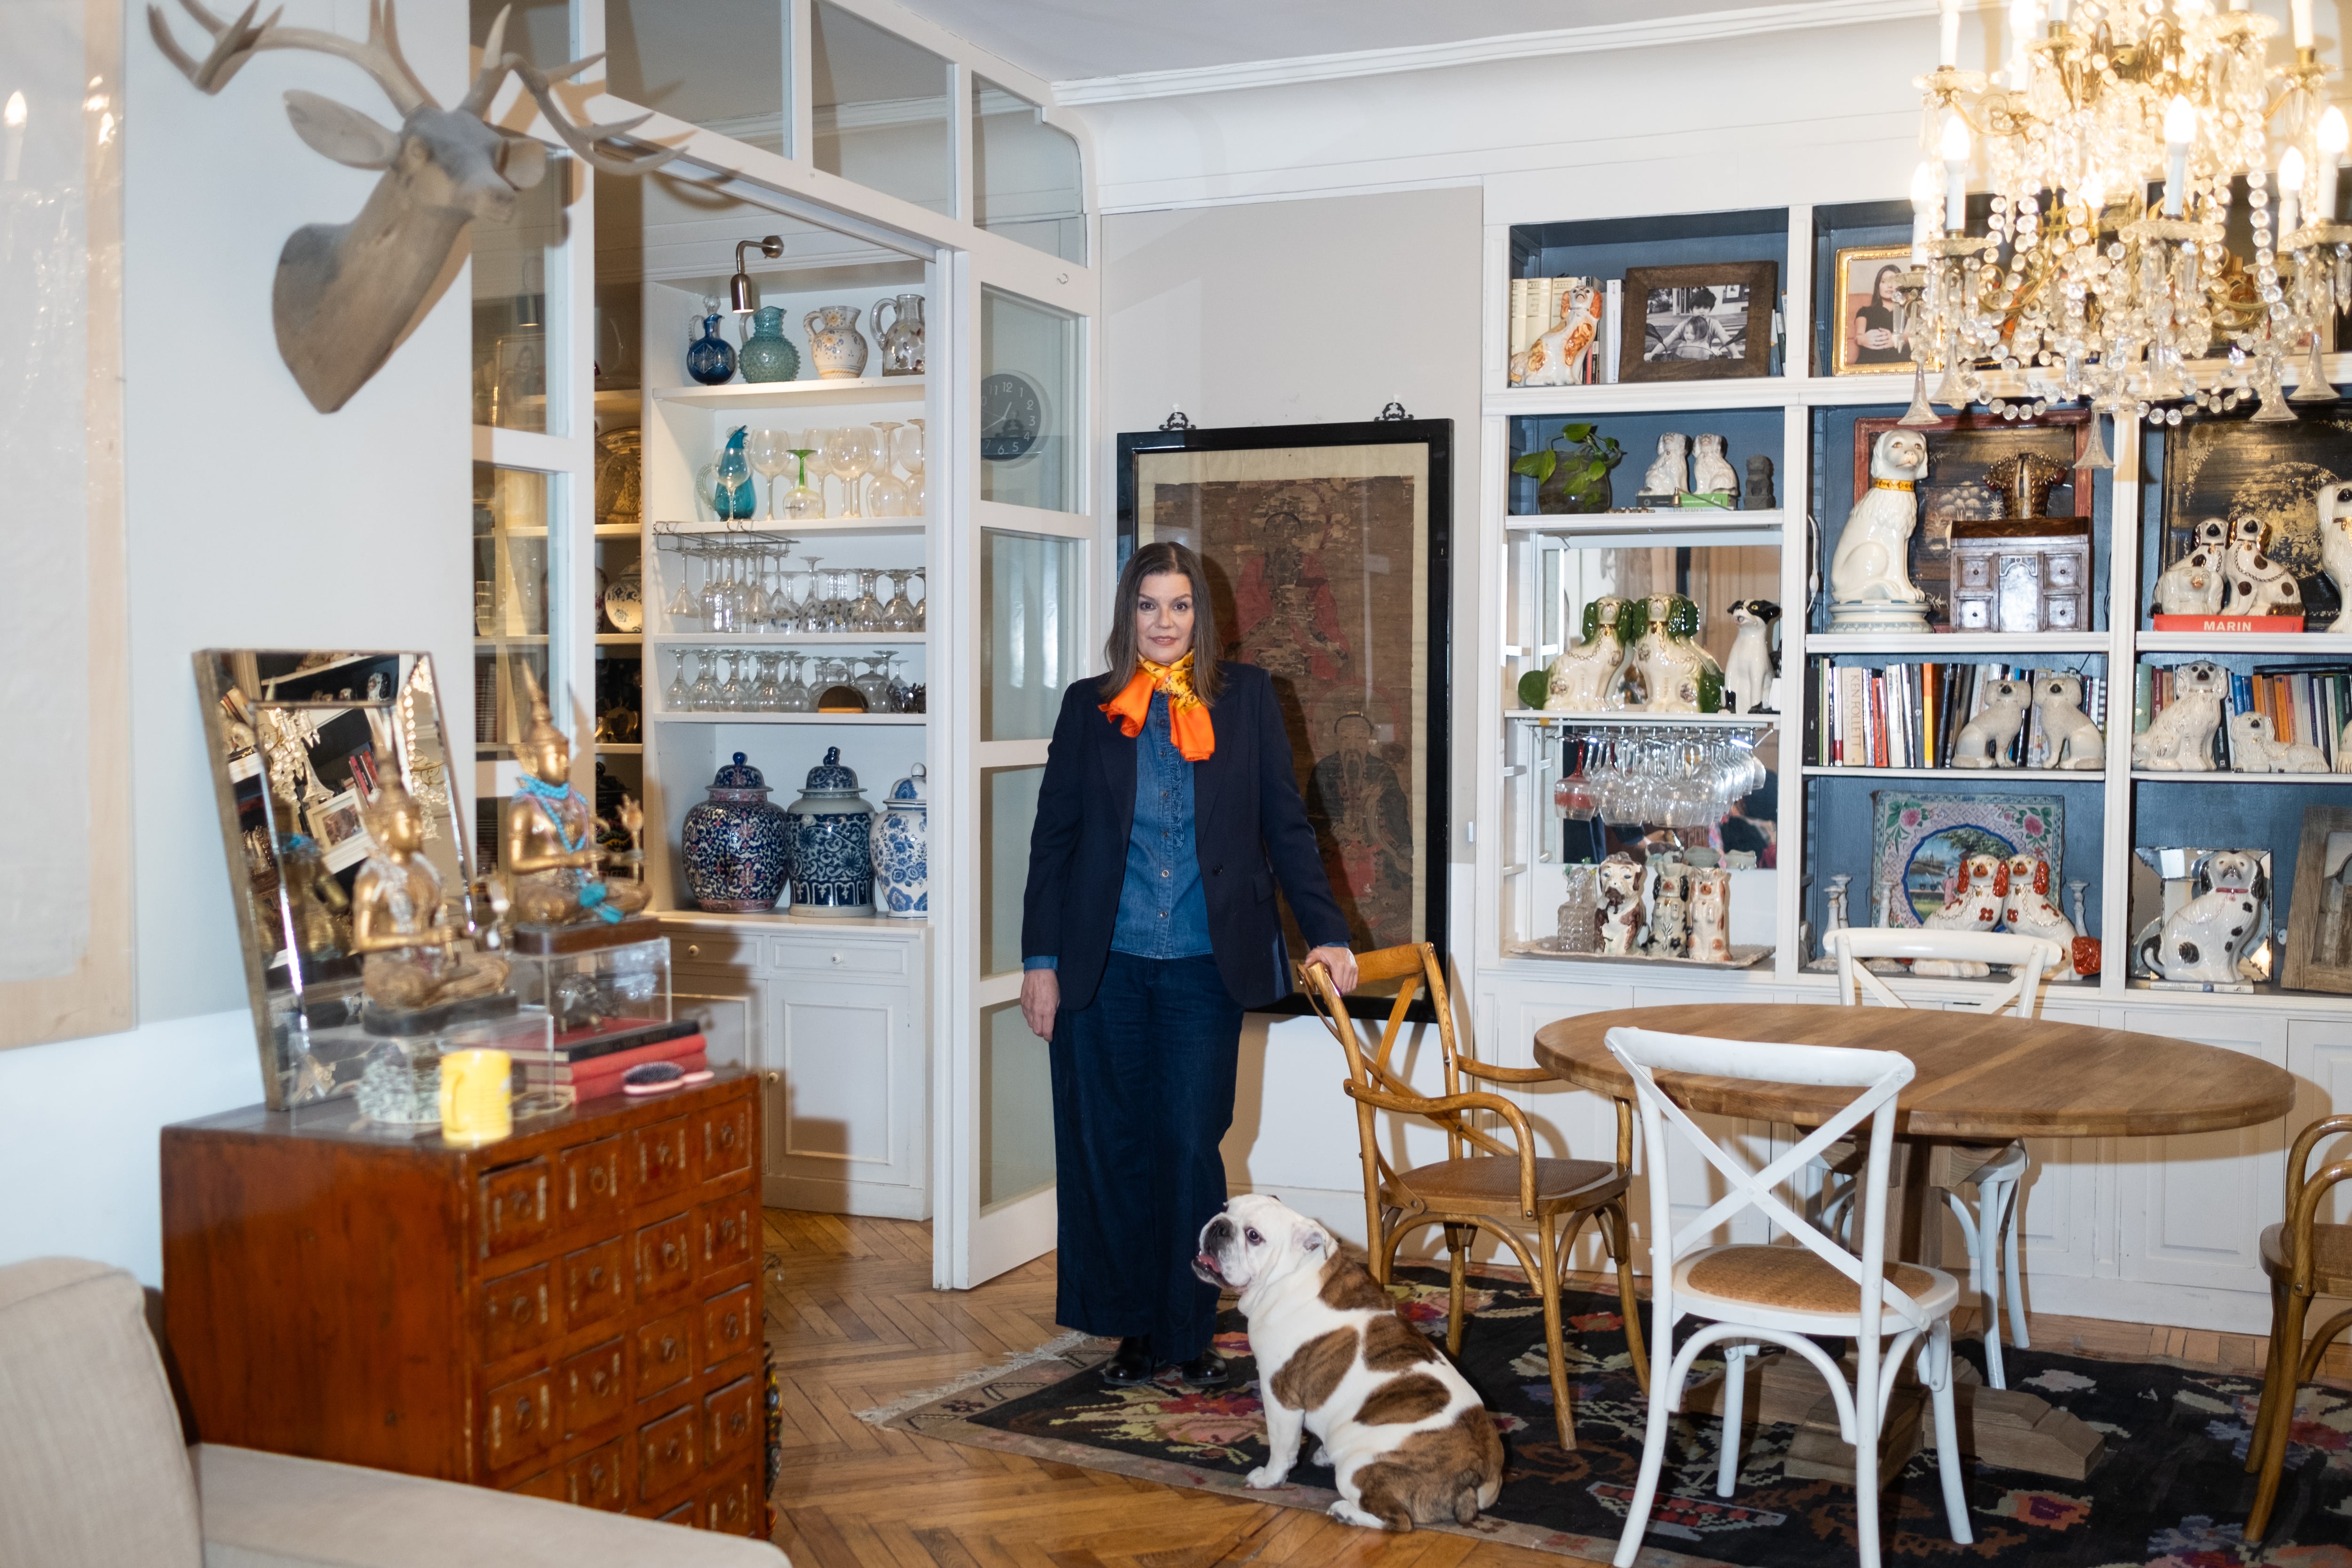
x=253, y=522
x=1297, y=312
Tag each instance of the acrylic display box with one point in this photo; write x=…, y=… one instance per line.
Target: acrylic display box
x=399, y=1088
x=593, y=980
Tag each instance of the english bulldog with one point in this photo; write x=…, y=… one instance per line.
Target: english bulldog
x=1407, y=1437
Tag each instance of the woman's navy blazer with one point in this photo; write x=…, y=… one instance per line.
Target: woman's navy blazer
x=1249, y=828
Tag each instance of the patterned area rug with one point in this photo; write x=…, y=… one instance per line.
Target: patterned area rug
x=2171, y=1492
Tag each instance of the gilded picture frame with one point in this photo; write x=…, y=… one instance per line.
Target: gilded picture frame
x=1861, y=272
x=1328, y=549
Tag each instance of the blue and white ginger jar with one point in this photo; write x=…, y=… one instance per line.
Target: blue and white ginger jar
x=833, y=843
x=738, y=844
x=902, y=850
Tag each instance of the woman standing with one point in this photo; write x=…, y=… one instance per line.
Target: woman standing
x=1169, y=810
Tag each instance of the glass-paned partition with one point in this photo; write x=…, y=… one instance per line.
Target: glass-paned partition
x=1029, y=585
x=518, y=287
x=514, y=560
x=1017, y=1108
x=1030, y=404
x=1026, y=173
x=879, y=109
x=723, y=65
x=1008, y=810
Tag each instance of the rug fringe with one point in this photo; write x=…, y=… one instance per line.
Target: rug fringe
x=1060, y=1344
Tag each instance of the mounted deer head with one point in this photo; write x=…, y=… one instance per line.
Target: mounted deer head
x=348, y=293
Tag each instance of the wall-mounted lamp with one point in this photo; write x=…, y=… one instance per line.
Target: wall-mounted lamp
x=743, y=294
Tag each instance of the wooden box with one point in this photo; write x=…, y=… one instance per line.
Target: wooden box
x=573, y=1312
x=2023, y=574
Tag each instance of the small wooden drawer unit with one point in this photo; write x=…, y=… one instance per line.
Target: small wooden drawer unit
x=601, y=1345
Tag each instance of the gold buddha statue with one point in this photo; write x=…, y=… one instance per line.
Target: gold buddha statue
x=551, y=855
x=415, y=957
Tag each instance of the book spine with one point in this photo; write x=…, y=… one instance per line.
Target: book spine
x=614, y=1061
x=598, y=1084
x=1613, y=329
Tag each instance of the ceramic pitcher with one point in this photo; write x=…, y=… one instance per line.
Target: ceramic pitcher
x=902, y=339
x=836, y=346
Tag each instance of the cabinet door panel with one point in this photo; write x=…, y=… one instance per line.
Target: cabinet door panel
x=2192, y=1208
x=843, y=1052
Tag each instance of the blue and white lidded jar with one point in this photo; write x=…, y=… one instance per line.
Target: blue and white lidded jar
x=902, y=850
x=832, y=843
x=736, y=846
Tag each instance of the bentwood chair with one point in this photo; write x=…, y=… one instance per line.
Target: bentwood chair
x=2304, y=1258
x=1491, y=1183
x=1786, y=1295
x=1995, y=1170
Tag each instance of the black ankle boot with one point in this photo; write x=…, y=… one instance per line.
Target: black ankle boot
x=1130, y=1363
x=1207, y=1370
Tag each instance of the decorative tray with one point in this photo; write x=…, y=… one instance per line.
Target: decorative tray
x=1548, y=947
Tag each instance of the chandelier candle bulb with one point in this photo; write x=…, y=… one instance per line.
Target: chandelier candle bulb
x=2290, y=185
x=2180, y=130
x=1923, y=212
x=1956, y=183
x=1948, y=34
x=2022, y=15
x=2299, y=12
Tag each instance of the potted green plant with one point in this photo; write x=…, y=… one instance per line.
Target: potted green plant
x=1572, y=477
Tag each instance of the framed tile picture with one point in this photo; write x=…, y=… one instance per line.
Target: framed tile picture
x=1704, y=321
x=1328, y=549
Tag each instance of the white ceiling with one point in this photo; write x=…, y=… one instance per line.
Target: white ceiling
x=1063, y=39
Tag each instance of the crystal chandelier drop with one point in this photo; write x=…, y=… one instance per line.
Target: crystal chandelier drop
x=2083, y=285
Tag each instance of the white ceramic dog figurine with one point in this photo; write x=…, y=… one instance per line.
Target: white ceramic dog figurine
x=2199, y=943
x=1710, y=915
x=1669, y=468
x=1677, y=675
x=2073, y=740
x=1669, y=911
x=1711, y=471
x=1584, y=678
x=2255, y=748
x=2334, y=502
x=1976, y=904
x=1983, y=740
x=1621, y=905
x=1407, y=1437
x=2258, y=585
x=1748, y=667
x=2028, y=910
x=2180, y=739
x=1560, y=357
x=2192, y=585
x=1870, y=576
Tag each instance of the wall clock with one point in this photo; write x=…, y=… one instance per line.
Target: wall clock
x=1011, y=415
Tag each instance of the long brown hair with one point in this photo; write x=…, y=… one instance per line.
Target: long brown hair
x=1161, y=556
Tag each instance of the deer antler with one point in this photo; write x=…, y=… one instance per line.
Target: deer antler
x=235, y=43
x=585, y=140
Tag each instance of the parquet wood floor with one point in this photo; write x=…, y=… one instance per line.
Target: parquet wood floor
x=860, y=1325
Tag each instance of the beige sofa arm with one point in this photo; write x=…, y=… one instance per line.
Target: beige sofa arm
x=271, y=1510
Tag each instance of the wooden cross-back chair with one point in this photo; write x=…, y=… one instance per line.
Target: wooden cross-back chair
x=2306, y=1256
x=1500, y=1184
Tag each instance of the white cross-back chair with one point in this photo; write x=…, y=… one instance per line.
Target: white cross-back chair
x=1781, y=1295
x=1997, y=1170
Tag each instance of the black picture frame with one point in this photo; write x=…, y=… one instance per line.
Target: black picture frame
x=1286, y=467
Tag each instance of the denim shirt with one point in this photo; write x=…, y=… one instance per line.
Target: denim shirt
x=1163, y=912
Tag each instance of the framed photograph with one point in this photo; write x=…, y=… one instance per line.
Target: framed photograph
x=1329, y=553
x=2319, y=916
x=1961, y=449
x=1866, y=334
x=1918, y=841
x=1704, y=321
x=2231, y=464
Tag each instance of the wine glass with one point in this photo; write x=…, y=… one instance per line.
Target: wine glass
x=923, y=604
x=730, y=690
x=818, y=439
x=907, y=447
x=705, y=680
x=795, y=698
x=767, y=696
x=899, y=615
x=865, y=614
x=874, y=683
x=886, y=493
x=683, y=606
x=802, y=500
x=851, y=452
x=770, y=454
x=675, y=702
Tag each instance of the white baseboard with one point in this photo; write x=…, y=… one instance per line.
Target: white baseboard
x=875, y=1200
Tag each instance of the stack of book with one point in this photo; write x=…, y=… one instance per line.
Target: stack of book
x=1534, y=310
x=592, y=1066
x=2306, y=703
x=1911, y=715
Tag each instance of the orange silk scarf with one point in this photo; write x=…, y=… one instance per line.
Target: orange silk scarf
x=1188, y=716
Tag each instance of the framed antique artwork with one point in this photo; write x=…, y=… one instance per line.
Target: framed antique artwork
x=1866, y=334
x=1704, y=321
x=1328, y=554
x=2319, y=915
x=2229, y=466
x=1961, y=449
x=1918, y=840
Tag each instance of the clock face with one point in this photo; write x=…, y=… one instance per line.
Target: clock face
x=1011, y=415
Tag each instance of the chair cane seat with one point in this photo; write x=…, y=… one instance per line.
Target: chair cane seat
x=1797, y=1279
x=2331, y=1249
x=1488, y=1184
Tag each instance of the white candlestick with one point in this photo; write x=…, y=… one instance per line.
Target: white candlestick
x=2290, y=190
x=12, y=118
x=1956, y=184
x=2180, y=130
x=2024, y=16
x=2057, y=14
x=1923, y=212
x=1948, y=33
x=2299, y=12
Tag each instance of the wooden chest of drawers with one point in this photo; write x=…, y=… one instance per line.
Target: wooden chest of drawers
x=574, y=1312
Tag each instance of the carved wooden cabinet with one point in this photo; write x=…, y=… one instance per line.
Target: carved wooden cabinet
x=573, y=1312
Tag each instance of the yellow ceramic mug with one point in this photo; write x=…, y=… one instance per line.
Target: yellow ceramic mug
x=476, y=1097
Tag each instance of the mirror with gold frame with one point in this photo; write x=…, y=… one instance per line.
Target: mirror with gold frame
x=297, y=739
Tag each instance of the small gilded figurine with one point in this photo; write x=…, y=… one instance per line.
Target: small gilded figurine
x=2024, y=481
x=415, y=957
x=552, y=854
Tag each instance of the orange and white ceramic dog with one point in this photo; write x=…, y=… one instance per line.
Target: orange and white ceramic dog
x=2029, y=911
x=1406, y=1435
x=1975, y=905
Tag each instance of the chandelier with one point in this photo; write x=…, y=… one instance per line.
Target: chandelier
x=2086, y=286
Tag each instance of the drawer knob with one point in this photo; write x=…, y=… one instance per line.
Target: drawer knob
x=670, y=1450
x=735, y=1423
x=836, y=958
x=596, y=1380
x=596, y=1277
x=523, y=1416
x=596, y=1477
x=596, y=1179
x=727, y=1230
x=731, y=1330
x=669, y=1255
x=694, y=950
x=521, y=1310
x=669, y=1347
x=727, y=1136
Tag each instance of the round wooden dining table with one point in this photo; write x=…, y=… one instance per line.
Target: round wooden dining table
x=1980, y=1077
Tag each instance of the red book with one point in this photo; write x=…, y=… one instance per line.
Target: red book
x=600, y=1085
x=2229, y=622
x=536, y=1070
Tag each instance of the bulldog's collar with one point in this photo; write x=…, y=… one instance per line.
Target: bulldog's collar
x=1895, y=484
